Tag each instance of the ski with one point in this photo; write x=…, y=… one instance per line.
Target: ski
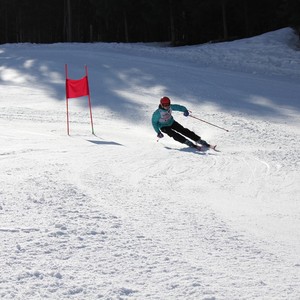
x=205, y=148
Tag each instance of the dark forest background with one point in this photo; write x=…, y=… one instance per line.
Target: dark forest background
x=181, y=22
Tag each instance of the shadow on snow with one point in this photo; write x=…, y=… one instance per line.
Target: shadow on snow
x=131, y=85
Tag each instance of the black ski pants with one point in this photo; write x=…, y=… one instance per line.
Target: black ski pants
x=175, y=129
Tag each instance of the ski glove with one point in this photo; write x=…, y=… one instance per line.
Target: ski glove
x=186, y=113
x=160, y=135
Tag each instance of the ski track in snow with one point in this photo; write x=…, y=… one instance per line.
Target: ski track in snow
x=180, y=263
x=118, y=215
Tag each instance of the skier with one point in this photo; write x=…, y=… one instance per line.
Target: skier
x=162, y=120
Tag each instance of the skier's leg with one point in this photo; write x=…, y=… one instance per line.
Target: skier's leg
x=175, y=135
x=188, y=133
x=185, y=131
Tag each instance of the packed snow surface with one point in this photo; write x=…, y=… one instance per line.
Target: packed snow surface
x=119, y=214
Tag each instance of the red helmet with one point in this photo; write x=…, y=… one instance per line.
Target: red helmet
x=165, y=101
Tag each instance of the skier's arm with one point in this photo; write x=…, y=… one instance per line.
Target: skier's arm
x=155, y=121
x=177, y=107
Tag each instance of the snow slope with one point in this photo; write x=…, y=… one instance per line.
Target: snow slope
x=120, y=215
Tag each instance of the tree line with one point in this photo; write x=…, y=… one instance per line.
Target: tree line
x=182, y=22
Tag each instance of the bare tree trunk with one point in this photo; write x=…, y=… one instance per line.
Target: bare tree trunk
x=6, y=24
x=172, y=23
x=68, y=21
x=126, y=27
x=225, y=30
x=91, y=33
x=19, y=33
x=247, y=31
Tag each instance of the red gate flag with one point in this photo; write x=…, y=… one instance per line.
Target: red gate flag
x=77, y=88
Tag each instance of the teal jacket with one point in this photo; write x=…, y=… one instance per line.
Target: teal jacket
x=163, y=117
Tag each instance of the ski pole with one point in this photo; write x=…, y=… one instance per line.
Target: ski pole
x=209, y=123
